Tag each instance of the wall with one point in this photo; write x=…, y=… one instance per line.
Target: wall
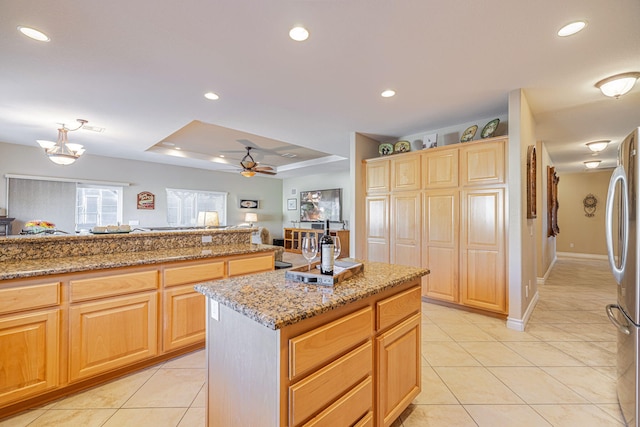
x=153, y=177
x=521, y=240
x=586, y=234
x=546, y=245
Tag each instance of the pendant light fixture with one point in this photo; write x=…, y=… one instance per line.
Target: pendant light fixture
x=618, y=85
x=62, y=152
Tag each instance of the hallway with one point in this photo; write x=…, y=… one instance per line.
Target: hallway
x=559, y=372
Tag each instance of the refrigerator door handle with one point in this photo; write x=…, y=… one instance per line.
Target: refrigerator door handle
x=622, y=328
x=618, y=175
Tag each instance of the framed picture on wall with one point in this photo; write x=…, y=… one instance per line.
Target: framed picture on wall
x=248, y=204
x=292, y=204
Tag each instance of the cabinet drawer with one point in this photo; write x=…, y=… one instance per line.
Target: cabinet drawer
x=398, y=307
x=255, y=264
x=349, y=409
x=329, y=341
x=174, y=276
x=120, y=284
x=323, y=387
x=29, y=297
x=366, y=421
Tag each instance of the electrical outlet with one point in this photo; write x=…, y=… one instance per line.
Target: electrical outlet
x=206, y=239
x=214, y=309
x=570, y=245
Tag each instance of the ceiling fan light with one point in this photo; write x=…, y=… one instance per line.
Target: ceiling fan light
x=592, y=164
x=247, y=173
x=618, y=85
x=597, y=146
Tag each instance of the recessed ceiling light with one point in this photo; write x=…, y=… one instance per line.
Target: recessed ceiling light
x=572, y=28
x=299, y=34
x=592, y=164
x=388, y=93
x=178, y=148
x=34, y=34
x=222, y=155
x=212, y=96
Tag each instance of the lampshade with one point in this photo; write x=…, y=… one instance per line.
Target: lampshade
x=618, y=85
x=592, y=164
x=597, y=146
x=251, y=218
x=208, y=219
x=62, y=152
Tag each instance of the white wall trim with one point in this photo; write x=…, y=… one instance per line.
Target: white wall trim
x=76, y=180
x=579, y=255
x=543, y=279
x=520, y=324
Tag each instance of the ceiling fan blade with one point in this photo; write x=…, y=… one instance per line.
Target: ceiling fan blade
x=264, y=172
x=263, y=168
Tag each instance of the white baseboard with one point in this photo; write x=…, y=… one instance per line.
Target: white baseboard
x=520, y=324
x=582, y=256
x=542, y=280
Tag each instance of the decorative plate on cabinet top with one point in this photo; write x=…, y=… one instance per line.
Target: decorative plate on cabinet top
x=385, y=149
x=402, y=147
x=469, y=133
x=490, y=128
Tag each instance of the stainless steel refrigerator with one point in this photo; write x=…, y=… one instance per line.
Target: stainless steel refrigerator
x=623, y=206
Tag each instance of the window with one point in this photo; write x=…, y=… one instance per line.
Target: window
x=183, y=206
x=98, y=205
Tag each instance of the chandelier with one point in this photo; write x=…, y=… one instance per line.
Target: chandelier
x=62, y=152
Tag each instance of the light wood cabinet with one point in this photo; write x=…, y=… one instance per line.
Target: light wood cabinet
x=378, y=176
x=112, y=333
x=398, y=369
x=293, y=239
x=377, y=228
x=440, y=169
x=440, y=244
x=405, y=173
x=184, y=319
x=483, y=254
x=405, y=228
x=455, y=227
x=29, y=352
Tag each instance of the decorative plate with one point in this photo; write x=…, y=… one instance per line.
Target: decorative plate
x=489, y=129
x=402, y=147
x=385, y=149
x=469, y=133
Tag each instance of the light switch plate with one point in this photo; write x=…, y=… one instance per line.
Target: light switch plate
x=215, y=310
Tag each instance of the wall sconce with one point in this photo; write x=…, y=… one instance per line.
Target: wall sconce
x=592, y=164
x=251, y=218
x=598, y=146
x=208, y=219
x=62, y=152
x=618, y=85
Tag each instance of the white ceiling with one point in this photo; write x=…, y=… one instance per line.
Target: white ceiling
x=140, y=69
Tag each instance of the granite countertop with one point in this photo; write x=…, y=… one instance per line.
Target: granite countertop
x=271, y=300
x=33, y=268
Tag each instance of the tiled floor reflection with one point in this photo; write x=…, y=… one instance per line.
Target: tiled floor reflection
x=476, y=372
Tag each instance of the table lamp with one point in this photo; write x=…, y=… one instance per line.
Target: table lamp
x=251, y=218
x=208, y=219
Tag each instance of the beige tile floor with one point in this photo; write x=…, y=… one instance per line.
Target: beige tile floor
x=476, y=372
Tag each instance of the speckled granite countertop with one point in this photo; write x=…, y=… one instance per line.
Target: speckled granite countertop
x=274, y=302
x=33, y=268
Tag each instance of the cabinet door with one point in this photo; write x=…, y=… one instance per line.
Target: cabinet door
x=440, y=241
x=483, y=281
x=398, y=369
x=184, y=320
x=405, y=228
x=112, y=333
x=440, y=169
x=483, y=163
x=377, y=232
x=377, y=176
x=29, y=348
x=405, y=173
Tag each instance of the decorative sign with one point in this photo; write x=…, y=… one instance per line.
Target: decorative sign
x=146, y=200
x=590, y=203
x=248, y=204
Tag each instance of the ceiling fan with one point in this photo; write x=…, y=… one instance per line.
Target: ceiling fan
x=250, y=166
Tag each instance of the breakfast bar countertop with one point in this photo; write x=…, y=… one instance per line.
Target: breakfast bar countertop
x=275, y=302
x=70, y=264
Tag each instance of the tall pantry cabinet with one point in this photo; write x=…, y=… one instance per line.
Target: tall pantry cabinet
x=443, y=209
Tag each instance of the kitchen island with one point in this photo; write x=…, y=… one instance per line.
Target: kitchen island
x=76, y=311
x=282, y=353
